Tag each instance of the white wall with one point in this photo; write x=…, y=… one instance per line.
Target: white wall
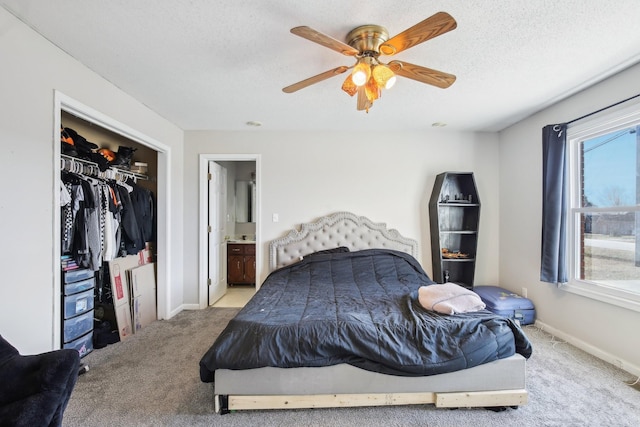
x=32, y=68
x=608, y=331
x=387, y=177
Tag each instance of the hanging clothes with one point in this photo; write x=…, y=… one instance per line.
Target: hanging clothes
x=103, y=219
x=131, y=236
x=74, y=236
x=143, y=206
x=112, y=225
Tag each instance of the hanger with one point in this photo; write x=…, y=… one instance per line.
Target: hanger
x=88, y=168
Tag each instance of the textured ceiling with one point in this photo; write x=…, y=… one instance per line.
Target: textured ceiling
x=206, y=64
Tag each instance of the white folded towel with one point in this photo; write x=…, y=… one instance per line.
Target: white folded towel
x=449, y=298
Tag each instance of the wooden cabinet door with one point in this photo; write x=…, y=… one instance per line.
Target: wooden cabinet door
x=241, y=264
x=235, y=269
x=250, y=269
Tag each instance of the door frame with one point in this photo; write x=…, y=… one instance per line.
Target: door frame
x=65, y=103
x=203, y=206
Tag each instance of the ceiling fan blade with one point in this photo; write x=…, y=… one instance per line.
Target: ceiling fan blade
x=422, y=74
x=363, y=101
x=315, y=79
x=325, y=40
x=431, y=27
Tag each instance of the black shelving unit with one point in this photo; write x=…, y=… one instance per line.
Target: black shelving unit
x=454, y=216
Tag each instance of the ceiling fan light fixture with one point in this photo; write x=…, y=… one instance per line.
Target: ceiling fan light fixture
x=391, y=82
x=349, y=86
x=384, y=77
x=372, y=90
x=361, y=73
x=365, y=44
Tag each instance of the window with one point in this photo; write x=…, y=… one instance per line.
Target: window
x=604, y=222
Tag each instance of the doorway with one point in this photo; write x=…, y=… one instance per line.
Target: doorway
x=218, y=205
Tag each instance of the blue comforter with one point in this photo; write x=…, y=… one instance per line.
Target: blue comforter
x=359, y=308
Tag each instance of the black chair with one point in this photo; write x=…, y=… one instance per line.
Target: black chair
x=35, y=389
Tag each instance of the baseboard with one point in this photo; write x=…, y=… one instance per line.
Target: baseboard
x=184, y=307
x=176, y=311
x=594, y=351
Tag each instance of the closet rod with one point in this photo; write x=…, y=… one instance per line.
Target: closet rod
x=87, y=167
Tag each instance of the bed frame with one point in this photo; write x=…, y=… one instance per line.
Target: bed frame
x=496, y=384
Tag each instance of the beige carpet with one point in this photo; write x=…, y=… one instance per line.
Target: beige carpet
x=152, y=379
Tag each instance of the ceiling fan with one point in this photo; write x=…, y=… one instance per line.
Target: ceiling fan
x=370, y=75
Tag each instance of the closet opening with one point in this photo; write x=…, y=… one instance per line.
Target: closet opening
x=122, y=256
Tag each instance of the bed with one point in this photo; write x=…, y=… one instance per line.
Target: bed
x=338, y=323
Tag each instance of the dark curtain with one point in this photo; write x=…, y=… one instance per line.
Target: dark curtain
x=553, y=266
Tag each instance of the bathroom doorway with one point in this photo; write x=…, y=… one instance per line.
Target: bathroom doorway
x=234, y=207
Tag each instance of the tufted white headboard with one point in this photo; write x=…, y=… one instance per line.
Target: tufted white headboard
x=338, y=229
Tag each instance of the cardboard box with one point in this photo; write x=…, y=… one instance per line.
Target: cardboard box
x=146, y=254
x=118, y=271
x=123, y=319
x=118, y=268
x=142, y=286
